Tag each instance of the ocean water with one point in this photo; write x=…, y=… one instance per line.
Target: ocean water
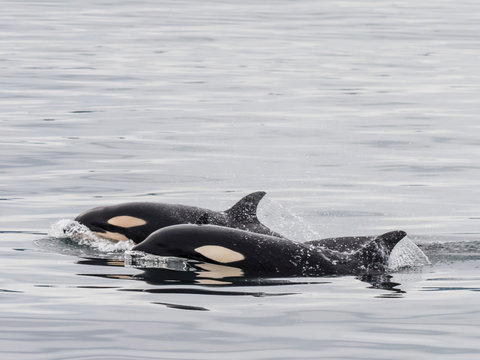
x=357, y=118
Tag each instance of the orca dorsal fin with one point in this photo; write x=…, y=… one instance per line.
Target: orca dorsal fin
x=374, y=255
x=390, y=239
x=245, y=210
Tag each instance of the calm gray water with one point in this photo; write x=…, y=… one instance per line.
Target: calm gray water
x=359, y=117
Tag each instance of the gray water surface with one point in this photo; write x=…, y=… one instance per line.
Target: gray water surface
x=360, y=117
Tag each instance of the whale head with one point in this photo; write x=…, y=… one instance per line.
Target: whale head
x=118, y=222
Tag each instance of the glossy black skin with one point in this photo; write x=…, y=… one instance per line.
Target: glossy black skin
x=270, y=255
x=353, y=243
x=159, y=215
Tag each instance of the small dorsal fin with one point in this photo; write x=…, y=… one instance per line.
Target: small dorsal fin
x=373, y=256
x=390, y=239
x=204, y=219
x=245, y=210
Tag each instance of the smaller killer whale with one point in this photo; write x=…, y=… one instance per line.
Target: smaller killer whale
x=137, y=220
x=247, y=253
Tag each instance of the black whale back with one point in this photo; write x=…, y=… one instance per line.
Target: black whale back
x=253, y=253
x=155, y=216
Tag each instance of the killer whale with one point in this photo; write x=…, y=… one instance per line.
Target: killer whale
x=246, y=253
x=137, y=220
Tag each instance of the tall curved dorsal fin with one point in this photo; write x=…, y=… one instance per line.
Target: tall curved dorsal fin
x=245, y=210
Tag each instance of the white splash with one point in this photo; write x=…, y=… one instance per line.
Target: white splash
x=139, y=259
x=284, y=221
x=406, y=255
x=82, y=235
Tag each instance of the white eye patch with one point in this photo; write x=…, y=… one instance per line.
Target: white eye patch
x=126, y=221
x=219, y=254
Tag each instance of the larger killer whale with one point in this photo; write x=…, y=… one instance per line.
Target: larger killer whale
x=137, y=220
x=240, y=252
